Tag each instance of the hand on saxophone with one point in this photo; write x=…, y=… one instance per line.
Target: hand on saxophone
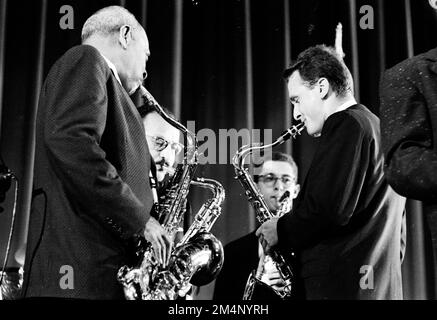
x=158, y=237
x=269, y=274
x=268, y=235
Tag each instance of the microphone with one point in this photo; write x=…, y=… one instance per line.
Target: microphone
x=5, y=182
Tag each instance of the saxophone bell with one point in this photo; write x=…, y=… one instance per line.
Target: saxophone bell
x=198, y=257
x=203, y=252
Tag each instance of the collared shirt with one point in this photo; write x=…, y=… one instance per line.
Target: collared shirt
x=151, y=175
x=347, y=104
x=112, y=67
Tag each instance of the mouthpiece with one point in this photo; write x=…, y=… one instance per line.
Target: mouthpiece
x=291, y=132
x=147, y=96
x=284, y=196
x=143, y=91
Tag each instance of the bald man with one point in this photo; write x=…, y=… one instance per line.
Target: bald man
x=92, y=192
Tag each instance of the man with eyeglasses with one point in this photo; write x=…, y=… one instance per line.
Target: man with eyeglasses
x=277, y=175
x=165, y=148
x=164, y=144
x=163, y=140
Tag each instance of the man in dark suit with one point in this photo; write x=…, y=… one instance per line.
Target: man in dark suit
x=346, y=221
x=277, y=175
x=408, y=94
x=91, y=177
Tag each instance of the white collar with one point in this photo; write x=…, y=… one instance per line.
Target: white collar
x=344, y=106
x=112, y=67
x=260, y=249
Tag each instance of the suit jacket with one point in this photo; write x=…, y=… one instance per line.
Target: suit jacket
x=408, y=94
x=241, y=258
x=346, y=221
x=91, y=176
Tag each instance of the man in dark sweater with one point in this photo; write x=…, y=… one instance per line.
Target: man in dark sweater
x=346, y=222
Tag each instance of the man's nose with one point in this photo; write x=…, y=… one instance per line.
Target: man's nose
x=279, y=185
x=296, y=113
x=169, y=155
x=157, y=158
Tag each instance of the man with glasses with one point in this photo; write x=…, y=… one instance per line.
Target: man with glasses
x=163, y=140
x=277, y=175
x=165, y=148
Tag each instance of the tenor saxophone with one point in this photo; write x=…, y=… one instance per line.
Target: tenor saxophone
x=198, y=257
x=138, y=279
x=261, y=209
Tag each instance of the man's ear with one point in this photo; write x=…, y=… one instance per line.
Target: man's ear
x=324, y=87
x=125, y=36
x=296, y=191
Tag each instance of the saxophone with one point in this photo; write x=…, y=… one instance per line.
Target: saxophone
x=255, y=277
x=136, y=280
x=198, y=258
x=172, y=208
x=261, y=209
x=148, y=280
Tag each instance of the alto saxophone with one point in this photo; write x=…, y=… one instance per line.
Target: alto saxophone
x=260, y=206
x=255, y=277
x=138, y=279
x=198, y=258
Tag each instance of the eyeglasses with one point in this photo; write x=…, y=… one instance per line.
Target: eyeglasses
x=159, y=144
x=270, y=180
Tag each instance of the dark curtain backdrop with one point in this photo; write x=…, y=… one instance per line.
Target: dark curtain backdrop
x=218, y=63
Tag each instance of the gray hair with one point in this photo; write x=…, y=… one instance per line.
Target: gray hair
x=107, y=21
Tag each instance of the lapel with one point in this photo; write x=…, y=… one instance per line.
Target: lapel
x=126, y=97
x=431, y=55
